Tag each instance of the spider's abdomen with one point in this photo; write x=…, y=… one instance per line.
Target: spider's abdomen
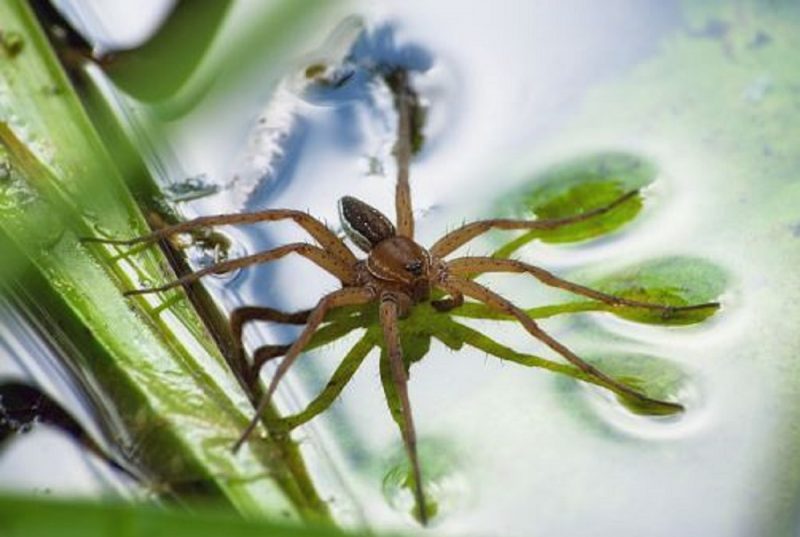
x=364, y=224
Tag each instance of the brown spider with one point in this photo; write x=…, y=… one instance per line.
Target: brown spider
x=397, y=273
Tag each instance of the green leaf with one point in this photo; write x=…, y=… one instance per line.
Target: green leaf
x=44, y=517
x=674, y=281
x=577, y=187
x=658, y=378
x=152, y=363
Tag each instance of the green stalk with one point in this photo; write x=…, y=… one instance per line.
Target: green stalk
x=155, y=368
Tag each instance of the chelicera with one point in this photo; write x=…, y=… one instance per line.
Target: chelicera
x=398, y=274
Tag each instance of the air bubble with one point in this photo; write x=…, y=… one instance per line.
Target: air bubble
x=445, y=486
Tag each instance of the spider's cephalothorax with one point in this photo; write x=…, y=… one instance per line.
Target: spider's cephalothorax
x=395, y=266
x=397, y=274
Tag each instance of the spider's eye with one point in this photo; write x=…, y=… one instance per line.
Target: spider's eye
x=415, y=267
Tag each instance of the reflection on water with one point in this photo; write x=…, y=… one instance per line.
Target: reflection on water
x=51, y=439
x=510, y=90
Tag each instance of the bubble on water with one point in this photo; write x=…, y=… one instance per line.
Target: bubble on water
x=445, y=485
x=210, y=247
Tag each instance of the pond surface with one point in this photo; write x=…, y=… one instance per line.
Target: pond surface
x=30, y=373
x=707, y=93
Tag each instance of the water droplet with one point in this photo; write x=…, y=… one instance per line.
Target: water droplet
x=209, y=247
x=190, y=189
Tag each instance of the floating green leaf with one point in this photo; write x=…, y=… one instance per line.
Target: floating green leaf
x=577, y=187
x=675, y=281
x=657, y=377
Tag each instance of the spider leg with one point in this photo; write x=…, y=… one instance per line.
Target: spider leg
x=246, y=314
x=446, y=304
x=460, y=236
x=321, y=257
x=404, y=100
x=330, y=332
x=341, y=297
x=326, y=238
x=391, y=335
x=493, y=300
x=261, y=356
x=470, y=266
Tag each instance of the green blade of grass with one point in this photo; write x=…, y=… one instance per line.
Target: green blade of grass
x=157, y=368
x=45, y=517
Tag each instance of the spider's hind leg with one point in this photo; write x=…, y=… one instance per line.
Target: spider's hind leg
x=498, y=303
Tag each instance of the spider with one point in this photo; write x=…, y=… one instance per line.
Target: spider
x=398, y=274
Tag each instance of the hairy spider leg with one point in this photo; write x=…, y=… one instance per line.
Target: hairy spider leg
x=326, y=238
x=405, y=101
x=261, y=356
x=462, y=235
x=493, y=300
x=473, y=266
x=447, y=304
x=321, y=257
x=335, y=299
x=246, y=314
x=394, y=352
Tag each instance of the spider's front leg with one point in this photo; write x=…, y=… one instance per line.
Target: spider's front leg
x=497, y=302
x=406, y=102
x=460, y=236
x=391, y=336
x=314, y=227
x=324, y=259
x=473, y=266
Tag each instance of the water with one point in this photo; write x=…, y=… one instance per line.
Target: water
x=514, y=87
x=30, y=369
